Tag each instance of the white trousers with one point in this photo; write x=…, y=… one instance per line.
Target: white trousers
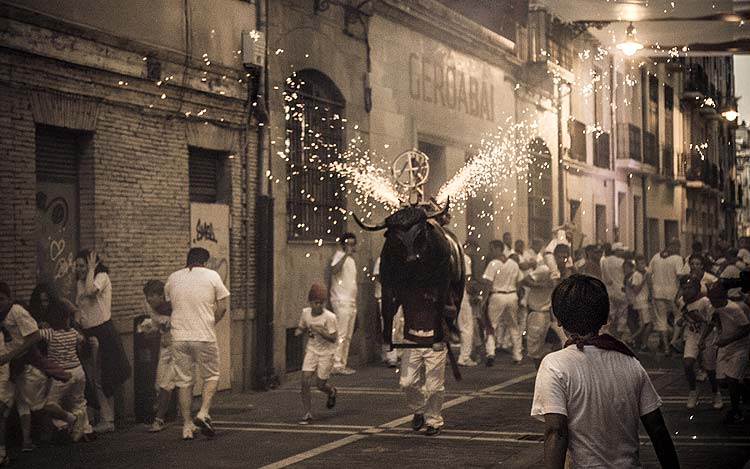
x=397, y=336
x=346, y=314
x=424, y=398
x=537, y=326
x=466, y=327
x=503, y=310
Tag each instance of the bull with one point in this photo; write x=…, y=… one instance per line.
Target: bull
x=421, y=270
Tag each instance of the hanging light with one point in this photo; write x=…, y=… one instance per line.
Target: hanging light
x=730, y=114
x=631, y=44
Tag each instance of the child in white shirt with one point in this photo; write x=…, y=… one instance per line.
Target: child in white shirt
x=320, y=326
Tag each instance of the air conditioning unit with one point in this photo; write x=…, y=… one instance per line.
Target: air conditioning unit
x=253, y=48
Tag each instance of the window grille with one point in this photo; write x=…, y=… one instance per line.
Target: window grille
x=540, y=197
x=315, y=197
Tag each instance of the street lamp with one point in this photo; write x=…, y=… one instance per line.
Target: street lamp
x=631, y=44
x=730, y=114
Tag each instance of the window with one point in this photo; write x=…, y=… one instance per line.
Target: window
x=206, y=170
x=601, y=223
x=651, y=124
x=577, y=140
x=667, y=159
x=601, y=150
x=540, y=197
x=315, y=133
x=575, y=213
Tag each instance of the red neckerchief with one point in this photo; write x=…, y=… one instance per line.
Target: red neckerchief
x=603, y=341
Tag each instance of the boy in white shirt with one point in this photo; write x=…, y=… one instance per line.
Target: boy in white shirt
x=636, y=292
x=158, y=310
x=320, y=326
x=733, y=344
x=591, y=396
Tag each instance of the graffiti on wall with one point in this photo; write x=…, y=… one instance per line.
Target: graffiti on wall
x=56, y=235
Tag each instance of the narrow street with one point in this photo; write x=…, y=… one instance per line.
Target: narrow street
x=487, y=424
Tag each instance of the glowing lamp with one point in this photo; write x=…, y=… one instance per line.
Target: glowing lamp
x=730, y=114
x=631, y=44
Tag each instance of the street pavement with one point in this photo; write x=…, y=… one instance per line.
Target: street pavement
x=487, y=424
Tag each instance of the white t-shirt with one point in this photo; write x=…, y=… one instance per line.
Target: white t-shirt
x=664, y=274
x=744, y=256
x=639, y=300
x=613, y=276
x=194, y=293
x=702, y=309
x=603, y=393
x=732, y=317
x=315, y=343
x=344, y=284
x=19, y=324
x=94, y=310
x=539, y=299
x=503, y=275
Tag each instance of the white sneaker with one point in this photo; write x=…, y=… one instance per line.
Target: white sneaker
x=187, y=432
x=718, y=402
x=692, y=399
x=157, y=426
x=347, y=371
x=468, y=362
x=701, y=375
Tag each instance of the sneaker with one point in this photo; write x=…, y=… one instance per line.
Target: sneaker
x=733, y=418
x=468, y=362
x=417, y=422
x=701, y=375
x=331, y=402
x=692, y=399
x=490, y=360
x=104, y=427
x=517, y=362
x=718, y=402
x=187, y=432
x=77, y=432
x=347, y=371
x=337, y=370
x=204, y=423
x=157, y=426
x=433, y=431
x=306, y=420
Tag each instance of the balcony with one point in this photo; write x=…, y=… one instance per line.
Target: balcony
x=696, y=83
x=628, y=142
x=701, y=174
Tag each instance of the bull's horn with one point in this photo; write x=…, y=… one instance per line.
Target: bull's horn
x=367, y=227
x=441, y=212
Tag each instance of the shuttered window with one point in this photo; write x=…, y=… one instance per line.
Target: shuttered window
x=205, y=173
x=57, y=151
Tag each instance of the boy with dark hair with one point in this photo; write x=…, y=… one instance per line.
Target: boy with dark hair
x=158, y=309
x=598, y=384
x=320, y=326
x=733, y=344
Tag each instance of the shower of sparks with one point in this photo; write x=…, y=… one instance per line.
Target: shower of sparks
x=369, y=180
x=501, y=158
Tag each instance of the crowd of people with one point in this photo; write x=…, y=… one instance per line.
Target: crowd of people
x=62, y=362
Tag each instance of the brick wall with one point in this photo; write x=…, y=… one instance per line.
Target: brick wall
x=133, y=181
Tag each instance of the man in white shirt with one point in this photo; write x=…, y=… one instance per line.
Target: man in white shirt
x=343, y=295
x=466, y=321
x=744, y=249
x=199, y=300
x=614, y=278
x=665, y=270
x=502, y=276
x=592, y=395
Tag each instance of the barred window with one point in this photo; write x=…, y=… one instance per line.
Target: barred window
x=540, y=196
x=314, y=129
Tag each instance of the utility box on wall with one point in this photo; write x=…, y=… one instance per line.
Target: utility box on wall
x=253, y=48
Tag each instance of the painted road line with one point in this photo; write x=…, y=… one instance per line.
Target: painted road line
x=392, y=424
x=288, y=424
x=287, y=430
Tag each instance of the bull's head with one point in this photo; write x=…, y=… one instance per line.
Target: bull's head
x=408, y=226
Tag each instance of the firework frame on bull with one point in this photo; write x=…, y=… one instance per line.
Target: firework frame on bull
x=410, y=170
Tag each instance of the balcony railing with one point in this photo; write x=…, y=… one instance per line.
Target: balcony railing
x=697, y=80
x=650, y=149
x=701, y=170
x=628, y=141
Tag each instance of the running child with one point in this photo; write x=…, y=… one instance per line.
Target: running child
x=320, y=326
x=159, y=309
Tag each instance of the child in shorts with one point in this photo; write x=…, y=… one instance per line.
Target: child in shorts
x=697, y=330
x=320, y=326
x=66, y=400
x=733, y=344
x=158, y=310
